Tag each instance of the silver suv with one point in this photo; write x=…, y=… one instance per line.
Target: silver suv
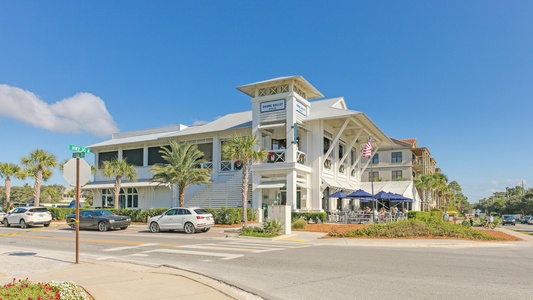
x=28, y=216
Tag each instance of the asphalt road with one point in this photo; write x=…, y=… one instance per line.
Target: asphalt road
x=277, y=269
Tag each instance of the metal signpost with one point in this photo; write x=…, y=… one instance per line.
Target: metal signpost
x=71, y=172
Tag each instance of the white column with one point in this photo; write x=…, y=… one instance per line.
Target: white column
x=291, y=188
x=145, y=155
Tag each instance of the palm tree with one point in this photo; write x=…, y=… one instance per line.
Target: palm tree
x=423, y=183
x=439, y=183
x=242, y=149
x=8, y=170
x=118, y=168
x=39, y=164
x=181, y=169
x=51, y=191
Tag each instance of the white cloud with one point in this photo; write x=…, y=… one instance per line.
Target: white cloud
x=81, y=112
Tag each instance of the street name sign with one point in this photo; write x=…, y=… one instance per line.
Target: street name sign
x=78, y=149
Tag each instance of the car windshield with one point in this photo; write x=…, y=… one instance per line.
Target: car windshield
x=508, y=218
x=103, y=213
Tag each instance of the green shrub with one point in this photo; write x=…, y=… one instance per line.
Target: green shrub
x=315, y=217
x=256, y=231
x=272, y=226
x=299, y=224
x=231, y=216
x=416, y=228
x=60, y=213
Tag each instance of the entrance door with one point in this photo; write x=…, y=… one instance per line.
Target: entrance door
x=281, y=198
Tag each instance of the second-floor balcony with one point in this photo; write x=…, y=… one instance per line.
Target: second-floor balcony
x=278, y=156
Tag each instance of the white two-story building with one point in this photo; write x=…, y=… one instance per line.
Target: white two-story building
x=314, y=149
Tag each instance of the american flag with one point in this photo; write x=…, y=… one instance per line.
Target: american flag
x=367, y=150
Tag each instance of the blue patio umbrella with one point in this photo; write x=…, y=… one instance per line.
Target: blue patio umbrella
x=338, y=194
x=359, y=194
x=401, y=198
x=383, y=195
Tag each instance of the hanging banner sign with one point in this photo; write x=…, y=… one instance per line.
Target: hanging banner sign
x=300, y=108
x=273, y=105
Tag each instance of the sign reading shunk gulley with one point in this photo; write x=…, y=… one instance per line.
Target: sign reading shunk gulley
x=273, y=105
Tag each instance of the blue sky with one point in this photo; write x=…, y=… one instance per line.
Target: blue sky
x=456, y=75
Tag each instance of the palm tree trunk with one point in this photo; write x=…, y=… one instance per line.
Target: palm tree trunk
x=8, y=194
x=117, y=191
x=37, y=188
x=182, y=196
x=245, y=193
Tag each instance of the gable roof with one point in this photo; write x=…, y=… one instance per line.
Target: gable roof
x=320, y=109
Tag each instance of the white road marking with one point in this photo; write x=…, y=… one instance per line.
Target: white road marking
x=129, y=247
x=225, y=256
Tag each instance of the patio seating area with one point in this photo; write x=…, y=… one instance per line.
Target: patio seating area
x=354, y=217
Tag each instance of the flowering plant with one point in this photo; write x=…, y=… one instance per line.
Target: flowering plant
x=24, y=289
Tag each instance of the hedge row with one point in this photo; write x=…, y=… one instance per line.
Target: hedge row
x=136, y=215
x=222, y=215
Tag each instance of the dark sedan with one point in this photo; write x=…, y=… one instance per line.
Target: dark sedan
x=100, y=219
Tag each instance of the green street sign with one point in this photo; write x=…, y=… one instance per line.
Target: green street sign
x=78, y=155
x=78, y=149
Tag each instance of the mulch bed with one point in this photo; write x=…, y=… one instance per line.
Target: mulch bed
x=340, y=228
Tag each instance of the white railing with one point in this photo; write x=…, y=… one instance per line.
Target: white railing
x=207, y=165
x=275, y=156
x=226, y=166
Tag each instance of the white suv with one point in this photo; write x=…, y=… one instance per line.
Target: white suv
x=188, y=219
x=28, y=216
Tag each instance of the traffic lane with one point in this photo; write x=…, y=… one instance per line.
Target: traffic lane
x=351, y=272
x=63, y=237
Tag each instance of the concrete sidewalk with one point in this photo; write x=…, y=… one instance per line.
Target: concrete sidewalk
x=113, y=280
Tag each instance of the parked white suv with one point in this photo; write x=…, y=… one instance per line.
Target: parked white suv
x=28, y=216
x=188, y=219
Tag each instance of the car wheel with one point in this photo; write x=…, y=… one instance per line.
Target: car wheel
x=102, y=226
x=46, y=224
x=72, y=225
x=205, y=229
x=123, y=228
x=6, y=223
x=189, y=228
x=154, y=227
x=23, y=224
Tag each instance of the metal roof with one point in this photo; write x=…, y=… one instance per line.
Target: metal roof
x=312, y=92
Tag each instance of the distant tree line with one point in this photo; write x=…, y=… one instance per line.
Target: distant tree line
x=516, y=200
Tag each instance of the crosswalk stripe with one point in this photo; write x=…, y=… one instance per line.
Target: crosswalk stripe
x=225, y=256
x=129, y=247
x=227, y=248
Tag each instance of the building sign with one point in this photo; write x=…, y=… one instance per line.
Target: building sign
x=300, y=108
x=273, y=105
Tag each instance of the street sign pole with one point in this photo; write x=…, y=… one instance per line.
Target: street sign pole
x=77, y=210
x=79, y=152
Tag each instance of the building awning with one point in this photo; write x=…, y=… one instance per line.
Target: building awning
x=332, y=182
x=110, y=185
x=270, y=185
